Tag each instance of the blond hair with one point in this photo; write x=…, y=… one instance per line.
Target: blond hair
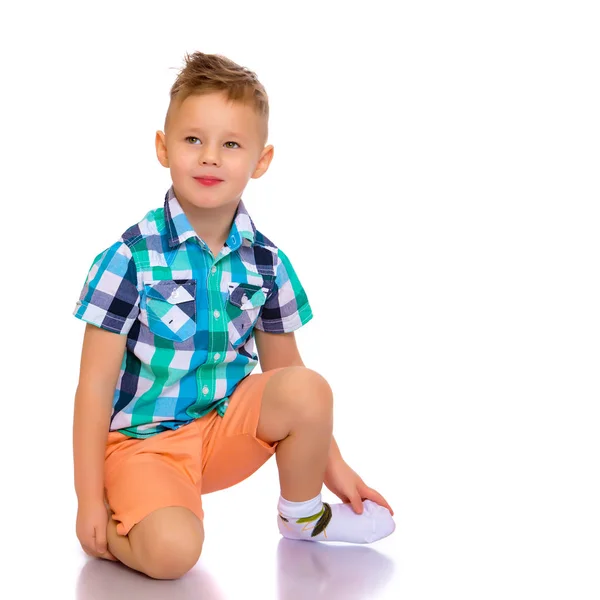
x=209, y=73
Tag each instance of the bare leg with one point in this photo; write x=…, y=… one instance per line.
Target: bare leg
x=297, y=411
x=120, y=546
x=164, y=545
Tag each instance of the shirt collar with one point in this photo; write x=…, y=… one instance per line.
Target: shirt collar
x=179, y=228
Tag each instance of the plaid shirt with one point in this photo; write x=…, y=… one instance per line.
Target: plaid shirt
x=188, y=317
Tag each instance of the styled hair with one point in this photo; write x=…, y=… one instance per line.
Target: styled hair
x=209, y=73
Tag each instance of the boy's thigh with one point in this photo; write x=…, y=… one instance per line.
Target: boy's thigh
x=144, y=476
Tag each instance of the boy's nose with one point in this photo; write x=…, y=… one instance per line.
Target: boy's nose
x=209, y=158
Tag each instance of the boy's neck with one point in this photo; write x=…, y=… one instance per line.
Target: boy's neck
x=212, y=225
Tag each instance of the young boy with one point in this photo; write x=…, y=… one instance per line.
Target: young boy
x=166, y=408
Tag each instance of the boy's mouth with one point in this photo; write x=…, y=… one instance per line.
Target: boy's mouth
x=208, y=180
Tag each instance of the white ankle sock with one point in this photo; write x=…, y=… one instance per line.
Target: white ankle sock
x=333, y=522
x=299, y=509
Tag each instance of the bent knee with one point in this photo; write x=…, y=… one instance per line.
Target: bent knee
x=309, y=392
x=170, y=542
x=170, y=558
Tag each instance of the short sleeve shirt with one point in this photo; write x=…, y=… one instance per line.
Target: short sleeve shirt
x=189, y=317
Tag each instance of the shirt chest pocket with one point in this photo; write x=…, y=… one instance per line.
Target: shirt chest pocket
x=171, y=308
x=243, y=308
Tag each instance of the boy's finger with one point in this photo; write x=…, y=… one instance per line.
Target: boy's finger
x=379, y=499
x=357, y=505
x=109, y=556
x=101, y=546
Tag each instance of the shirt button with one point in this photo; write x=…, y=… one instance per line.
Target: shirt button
x=213, y=270
x=217, y=356
x=205, y=390
x=217, y=314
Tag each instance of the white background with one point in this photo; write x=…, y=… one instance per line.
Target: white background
x=435, y=184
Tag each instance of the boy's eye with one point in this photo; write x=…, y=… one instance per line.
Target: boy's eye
x=193, y=140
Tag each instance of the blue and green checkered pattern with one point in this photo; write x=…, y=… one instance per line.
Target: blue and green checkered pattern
x=188, y=316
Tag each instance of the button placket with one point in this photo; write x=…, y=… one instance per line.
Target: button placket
x=218, y=324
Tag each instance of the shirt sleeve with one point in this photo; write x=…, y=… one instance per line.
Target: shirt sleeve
x=286, y=308
x=110, y=298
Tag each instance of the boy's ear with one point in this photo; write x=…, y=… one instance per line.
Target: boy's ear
x=264, y=161
x=161, y=149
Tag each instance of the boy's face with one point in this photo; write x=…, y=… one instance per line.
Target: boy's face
x=209, y=136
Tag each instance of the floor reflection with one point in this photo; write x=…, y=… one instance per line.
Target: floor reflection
x=104, y=580
x=315, y=571
x=304, y=571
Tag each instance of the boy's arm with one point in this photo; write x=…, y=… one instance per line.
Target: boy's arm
x=277, y=350
x=101, y=359
x=280, y=350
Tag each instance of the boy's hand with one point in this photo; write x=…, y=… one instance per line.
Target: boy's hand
x=349, y=487
x=92, y=520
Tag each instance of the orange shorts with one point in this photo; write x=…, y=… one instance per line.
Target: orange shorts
x=173, y=468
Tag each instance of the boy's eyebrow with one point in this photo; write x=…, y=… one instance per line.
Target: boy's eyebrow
x=226, y=133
